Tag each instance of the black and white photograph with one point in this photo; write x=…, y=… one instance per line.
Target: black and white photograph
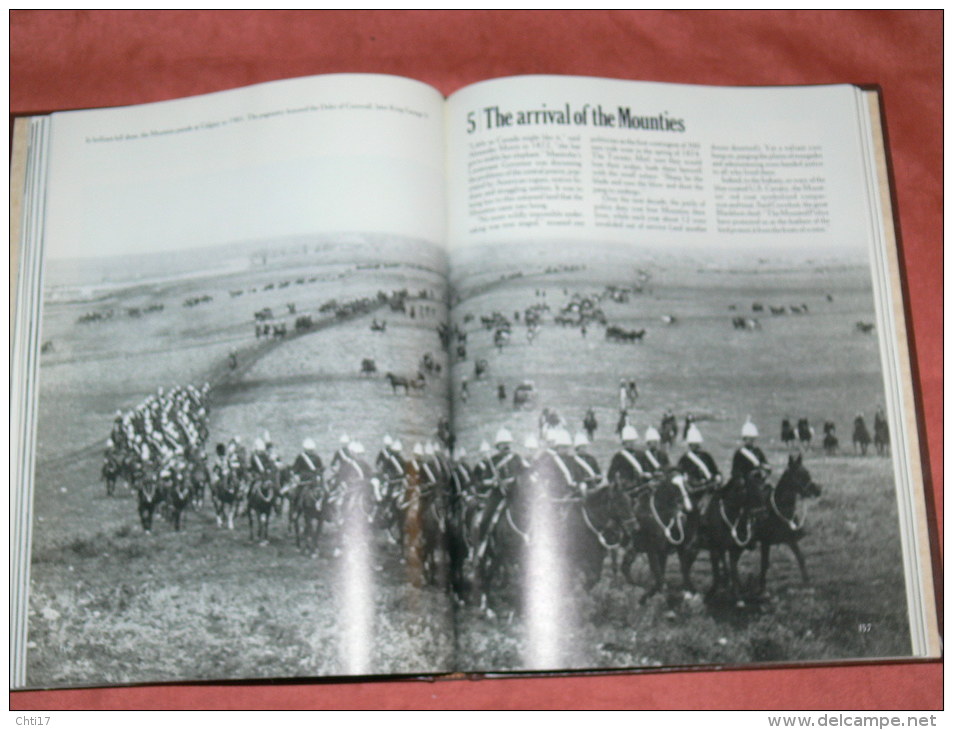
x=668, y=462
x=210, y=496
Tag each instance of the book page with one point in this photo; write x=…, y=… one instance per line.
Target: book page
x=675, y=349
x=241, y=390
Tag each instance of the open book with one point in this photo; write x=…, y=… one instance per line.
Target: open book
x=334, y=376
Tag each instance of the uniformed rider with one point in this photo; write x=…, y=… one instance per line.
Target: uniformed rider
x=699, y=468
x=749, y=456
x=654, y=455
x=626, y=468
x=592, y=474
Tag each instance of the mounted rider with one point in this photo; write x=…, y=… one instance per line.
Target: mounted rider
x=558, y=471
x=339, y=456
x=308, y=471
x=627, y=468
x=505, y=465
x=592, y=474
x=748, y=456
x=654, y=456
x=261, y=467
x=391, y=467
x=699, y=467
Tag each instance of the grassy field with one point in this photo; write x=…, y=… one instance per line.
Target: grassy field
x=109, y=604
x=814, y=366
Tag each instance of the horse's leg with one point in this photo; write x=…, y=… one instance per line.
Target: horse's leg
x=658, y=578
x=716, y=556
x=800, y=560
x=627, y=559
x=765, y=561
x=686, y=559
x=734, y=580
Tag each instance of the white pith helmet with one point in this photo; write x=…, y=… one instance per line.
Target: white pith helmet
x=259, y=445
x=345, y=439
x=484, y=447
x=749, y=430
x=580, y=440
x=561, y=437
x=396, y=445
x=109, y=443
x=355, y=447
x=652, y=435
x=503, y=436
x=629, y=433
x=388, y=440
x=428, y=448
x=531, y=442
x=308, y=445
x=418, y=449
x=458, y=453
x=694, y=436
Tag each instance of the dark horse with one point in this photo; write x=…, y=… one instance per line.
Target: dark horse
x=861, y=436
x=226, y=493
x=501, y=531
x=307, y=514
x=263, y=497
x=401, y=381
x=590, y=424
x=150, y=495
x=112, y=470
x=781, y=524
x=662, y=524
x=198, y=480
x=728, y=528
x=179, y=494
x=881, y=433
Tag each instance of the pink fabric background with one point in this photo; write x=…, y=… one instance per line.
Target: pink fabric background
x=79, y=59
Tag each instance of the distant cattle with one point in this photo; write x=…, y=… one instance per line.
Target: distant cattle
x=618, y=334
x=745, y=323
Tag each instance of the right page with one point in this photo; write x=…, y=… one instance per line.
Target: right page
x=683, y=430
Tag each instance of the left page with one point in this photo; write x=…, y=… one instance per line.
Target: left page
x=237, y=304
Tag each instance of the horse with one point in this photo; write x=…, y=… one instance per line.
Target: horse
x=805, y=433
x=590, y=424
x=111, y=471
x=728, y=528
x=149, y=497
x=198, y=480
x=226, y=493
x=788, y=434
x=178, y=497
x=500, y=528
x=831, y=442
x=861, y=436
x=881, y=433
x=308, y=514
x=668, y=430
x=781, y=524
x=661, y=523
x=401, y=381
x=263, y=497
